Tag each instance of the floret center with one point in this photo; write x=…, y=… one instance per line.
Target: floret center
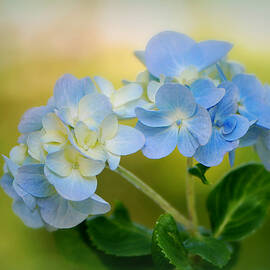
x=178, y=122
x=75, y=166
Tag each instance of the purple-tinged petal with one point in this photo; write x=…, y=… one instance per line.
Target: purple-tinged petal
x=69, y=90
x=95, y=205
x=11, y=165
x=7, y=184
x=59, y=213
x=32, y=119
x=30, y=218
x=32, y=180
x=29, y=200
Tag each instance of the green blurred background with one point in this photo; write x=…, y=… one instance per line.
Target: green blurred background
x=41, y=40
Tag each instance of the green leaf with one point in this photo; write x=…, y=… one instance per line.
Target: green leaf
x=199, y=171
x=167, y=243
x=77, y=249
x=238, y=204
x=120, y=214
x=200, y=264
x=235, y=249
x=210, y=249
x=118, y=235
x=161, y=262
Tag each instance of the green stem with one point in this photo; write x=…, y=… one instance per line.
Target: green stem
x=140, y=185
x=190, y=196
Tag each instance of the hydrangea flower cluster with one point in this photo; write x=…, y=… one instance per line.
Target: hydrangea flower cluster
x=189, y=97
x=51, y=174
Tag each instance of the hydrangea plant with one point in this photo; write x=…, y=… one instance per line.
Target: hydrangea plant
x=190, y=97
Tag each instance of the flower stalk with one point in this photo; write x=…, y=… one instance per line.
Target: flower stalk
x=148, y=191
x=190, y=197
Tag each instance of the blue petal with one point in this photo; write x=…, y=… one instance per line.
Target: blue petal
x=199, y=125
x=127, y=141
x=164, y=53
x=95, y=205
x=256, y=109
x=213, y=152
x=154, y=118
x=73, y=187
x=30, y=218
x=32, y=119
x=187, y=143
x=140, y=56
x=176, y=98
x=206, y=93
x=251, y=137
x=159, y=142
x=93, y=108
x=263, y=152
x=69, y=90
x=207, y=53
x=113, y=161
x=253, y=100
x=23, y=139
x=7, y=185
x=265, y=135
x=232, y=157
x=59, y=213
x=229, y=125
x=249, y=86
x=31, y=179
x=240, y=129
x=267, y=93
x=29, y=200
x=11, y=165
x=228, y=104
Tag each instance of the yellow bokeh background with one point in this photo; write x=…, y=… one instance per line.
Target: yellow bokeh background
x=42, y=40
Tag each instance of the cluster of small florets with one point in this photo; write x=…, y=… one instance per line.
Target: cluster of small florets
x=190, y=96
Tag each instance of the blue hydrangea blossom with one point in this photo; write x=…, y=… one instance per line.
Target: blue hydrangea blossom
x=179, y=121
x=251, y=99
x=51, y=175
x=174, y=54
x=259, y=137
x=228, y=128
x=190, y=97
x=32, y=192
